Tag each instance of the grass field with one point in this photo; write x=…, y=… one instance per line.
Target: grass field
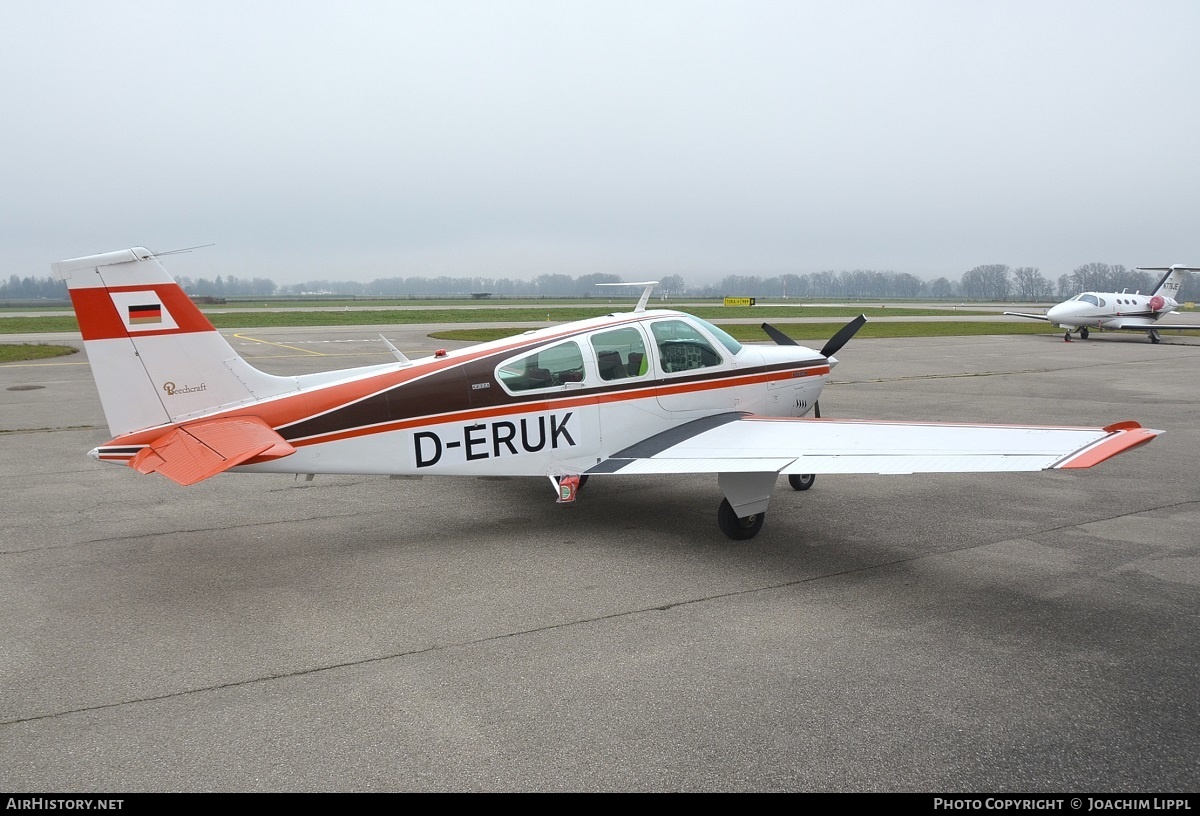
x=381, y=317
x=16, y=352
x=752, y=332
x=746, y=332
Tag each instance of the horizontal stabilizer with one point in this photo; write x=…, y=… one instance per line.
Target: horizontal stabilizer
x=192, y=453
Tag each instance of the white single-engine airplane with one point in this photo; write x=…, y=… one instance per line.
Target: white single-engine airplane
x=1113, y=311
x=641, y=392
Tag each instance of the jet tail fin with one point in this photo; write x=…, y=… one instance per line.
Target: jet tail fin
x=154, y=355
x=1168, y=285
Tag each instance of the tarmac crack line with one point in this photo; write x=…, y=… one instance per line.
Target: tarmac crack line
x=189, y=531
x=552, y=627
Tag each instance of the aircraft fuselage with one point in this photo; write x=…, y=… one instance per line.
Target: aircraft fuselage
x=1103, y=310
x=551, y=402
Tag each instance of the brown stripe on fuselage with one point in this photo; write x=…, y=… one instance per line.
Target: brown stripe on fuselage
x=449, y=394
x=440, y=390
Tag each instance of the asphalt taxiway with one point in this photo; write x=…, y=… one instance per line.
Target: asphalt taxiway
x=957, y=633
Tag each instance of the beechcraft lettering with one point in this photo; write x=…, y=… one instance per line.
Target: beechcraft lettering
x=673, y=393
x=491, y=440
x=172, y=389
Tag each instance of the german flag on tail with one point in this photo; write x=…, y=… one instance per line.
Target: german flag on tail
x=142, y=315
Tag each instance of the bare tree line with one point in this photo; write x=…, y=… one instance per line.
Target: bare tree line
x=994, y=282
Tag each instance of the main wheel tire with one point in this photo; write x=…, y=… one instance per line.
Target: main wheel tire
x=801, y=481
x=738, y=528
x=1083, y=333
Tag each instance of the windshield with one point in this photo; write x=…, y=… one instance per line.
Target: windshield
x=726, y=339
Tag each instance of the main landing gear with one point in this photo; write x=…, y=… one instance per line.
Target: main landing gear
x=738, y=528
x=1154, y=338
x=741, y=513
x=742, y=527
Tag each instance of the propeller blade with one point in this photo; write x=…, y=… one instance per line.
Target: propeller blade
x=778, y=336
x=843, y=336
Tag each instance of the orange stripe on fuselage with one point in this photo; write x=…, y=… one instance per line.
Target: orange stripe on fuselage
x=280, y=413
x=292, y=409
x=647, y=390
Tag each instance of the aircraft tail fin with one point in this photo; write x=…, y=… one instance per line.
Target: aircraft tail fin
x=155, y=357
x=1168, y=285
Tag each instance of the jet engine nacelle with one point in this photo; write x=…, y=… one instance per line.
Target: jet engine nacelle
x=1158, y=303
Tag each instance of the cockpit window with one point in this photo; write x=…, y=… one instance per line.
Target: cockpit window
x=620, y=354
x=1089, y=298
x=545, y=368
x=724, y=337
x=681, y=347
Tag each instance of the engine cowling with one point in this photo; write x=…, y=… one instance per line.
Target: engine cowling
x=1158, y=303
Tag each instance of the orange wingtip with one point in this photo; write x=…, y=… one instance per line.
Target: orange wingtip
x=1127, y=425
x=1125, y=436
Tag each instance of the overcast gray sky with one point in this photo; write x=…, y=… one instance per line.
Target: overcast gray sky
x=512, y=138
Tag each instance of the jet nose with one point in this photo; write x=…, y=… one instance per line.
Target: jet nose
x=1062, y=311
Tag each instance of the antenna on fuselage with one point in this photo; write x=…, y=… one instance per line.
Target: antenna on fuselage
x=649, y=287
x=397, y=353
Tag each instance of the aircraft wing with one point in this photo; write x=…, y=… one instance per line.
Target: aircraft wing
x=1027, y=314
x=1144, y=325
x=192, y=453
x=733, y=442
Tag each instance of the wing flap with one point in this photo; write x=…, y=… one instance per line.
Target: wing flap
x=192, y=453
x=793, y=446
x=687, y=465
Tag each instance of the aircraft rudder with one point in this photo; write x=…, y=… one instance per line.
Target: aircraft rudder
x=127, y=293
x=155, y=357
x=1172, y=279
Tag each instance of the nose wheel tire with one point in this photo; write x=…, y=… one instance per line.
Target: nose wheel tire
x=801, y=481
x=738, y=528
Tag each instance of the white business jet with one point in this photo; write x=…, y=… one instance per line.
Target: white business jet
x=1122, y=311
